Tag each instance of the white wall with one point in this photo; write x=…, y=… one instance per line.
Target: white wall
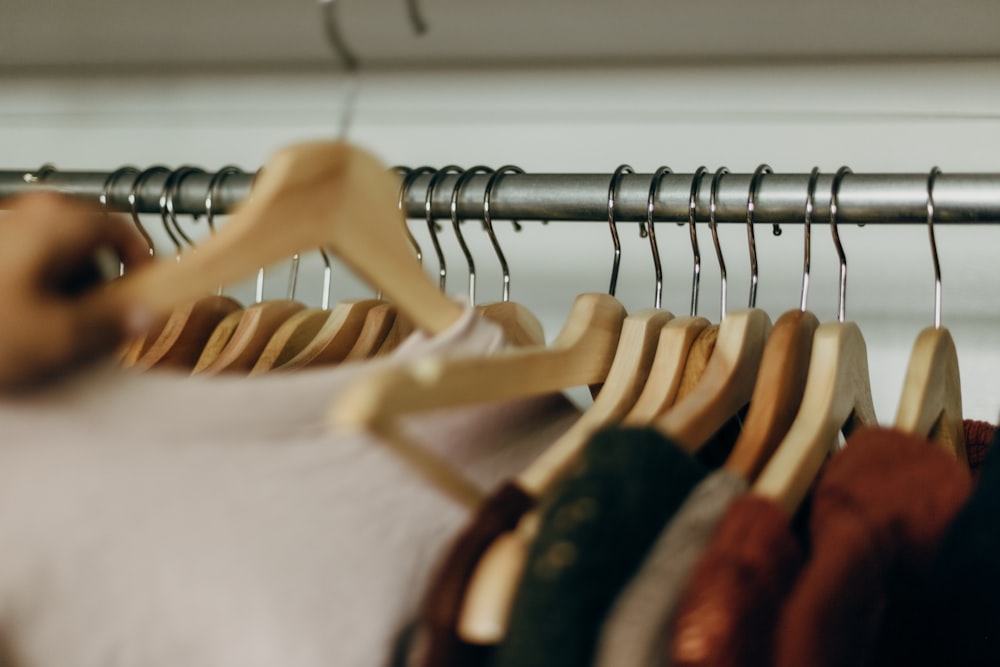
x=874, y=117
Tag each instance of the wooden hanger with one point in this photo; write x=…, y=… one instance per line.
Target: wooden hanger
x=520, y=326
x=660, y=390
x=217, y=342
x=727, y=384
x=310, y=195
x=188, y=330
x=256, y=327
x=837, y=398
x=378, y=323
x=931, y=403
x=781, y=379
x=190, y=326
x=336, y=337
x=315, y=336
x=581, y=355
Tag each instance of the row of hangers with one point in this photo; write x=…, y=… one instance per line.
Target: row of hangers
x=804, y=382
x=216, y=334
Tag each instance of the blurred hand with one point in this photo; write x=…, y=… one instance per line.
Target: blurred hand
x=49, y=321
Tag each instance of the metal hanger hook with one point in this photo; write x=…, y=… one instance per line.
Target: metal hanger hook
x=755, y=181
x=654, y=191
x=349, y=61
x=105, y=198
x=931, y=178
x=460, y=183
x=133, y=202
x=834, y=209
x=488, y=222
x=431, y=222
x=713, y=207
x=616, y=180
x=807, y=236
x=692, y=215
x=167, y=197
x=212, y=194
x=409, y=176
x=40, y=174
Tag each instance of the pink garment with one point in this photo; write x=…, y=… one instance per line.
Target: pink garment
x=165, y=521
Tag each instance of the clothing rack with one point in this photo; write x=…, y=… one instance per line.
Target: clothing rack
x=959, y=198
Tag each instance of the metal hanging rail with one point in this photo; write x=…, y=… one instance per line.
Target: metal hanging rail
x=960, y=198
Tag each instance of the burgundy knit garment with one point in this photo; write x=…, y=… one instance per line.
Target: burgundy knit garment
x=879, y=512
x=728, y=614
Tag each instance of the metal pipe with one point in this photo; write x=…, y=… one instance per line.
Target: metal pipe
x=960, y=198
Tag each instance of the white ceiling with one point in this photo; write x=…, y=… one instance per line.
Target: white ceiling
x=211, y=33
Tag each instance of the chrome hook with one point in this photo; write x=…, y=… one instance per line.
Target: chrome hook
x=212, y=193
x=834, y=209
x=133, y=203
x=350, y=62
x=935, y=172
x=167, y=209
x=654, y=191
x=755, y=180
x=459, y=184
x=432, y=225
x=105, y=197
x=616, y=179
x=409, y=176
x=488, y=222
x=807, y=233
x=714, y=227
x=692, y=211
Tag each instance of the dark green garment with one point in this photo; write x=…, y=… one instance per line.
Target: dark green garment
x=596, y=528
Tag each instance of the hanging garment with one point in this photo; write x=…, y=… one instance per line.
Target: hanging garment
x=879, y=512
x=727, y=614
x=436, y=641
x=218, y=542
x=595, y=530
x=632, y=635
x=964, y=582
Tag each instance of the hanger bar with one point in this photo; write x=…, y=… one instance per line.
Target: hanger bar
x=960, y=198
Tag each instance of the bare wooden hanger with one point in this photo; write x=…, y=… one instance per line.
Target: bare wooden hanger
x=837, y=396
x=726, y=386
x=781, y=379
x=931, y=403
x=310, y=195
x=676, y=338
x=190, y=326
x=520, y=326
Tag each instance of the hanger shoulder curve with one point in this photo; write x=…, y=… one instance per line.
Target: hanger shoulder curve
x=520, y=326
x=726, y=385
x=931, y=402
x=336, y=337
x=186, y=332
x=310, y=195
x=667, y=369
x=221, y=335
x=255, y=328
x=378, y=323
x=580, y=355
x=777, y=393
x=837, y=398
x=625, y=379
x=290, y=339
